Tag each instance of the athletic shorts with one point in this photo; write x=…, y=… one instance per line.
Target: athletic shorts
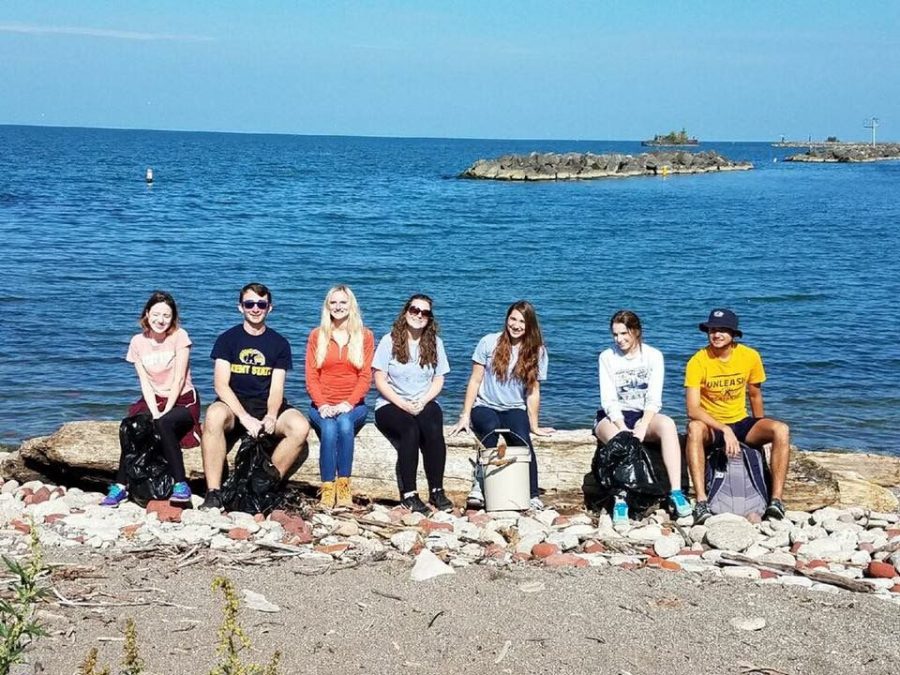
x=255, y=407
x=740, y=428
x=632, y=417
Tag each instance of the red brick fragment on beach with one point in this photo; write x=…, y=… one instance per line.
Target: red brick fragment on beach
x=293, y=525
x=41, y=496
x=433, y=526
x=892, y=532
x=478, y=518
x=494, y=551
x=561, y=520
x=20, y=526
x=594, y=547
x=565, y=560
x=396, y=514
x=670, y=565
x=164, y=511
x=239, y=533
x=881, y=570
x=813, y=564
x=895, y=588
x=768, y=574
x=521, y=556
x=29, y=500
x=54, y=517
x=544, y=550
x=628, y=566
x=795, y=547
x=337, y=550
x=259, y=518
x=689, y=551
x=653, y=561
x=128, y=531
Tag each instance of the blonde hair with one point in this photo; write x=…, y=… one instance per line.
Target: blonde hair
x=354, y=327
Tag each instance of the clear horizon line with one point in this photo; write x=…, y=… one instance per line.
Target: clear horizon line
x=395, y=136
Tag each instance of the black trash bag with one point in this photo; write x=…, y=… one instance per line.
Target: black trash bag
x=146, y=469
x=623, y=465
x=255, y=486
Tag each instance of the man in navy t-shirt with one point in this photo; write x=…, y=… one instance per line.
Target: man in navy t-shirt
x=251, y=363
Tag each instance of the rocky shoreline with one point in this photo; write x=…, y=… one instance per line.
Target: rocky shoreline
x=588, y=166
x=848, y=153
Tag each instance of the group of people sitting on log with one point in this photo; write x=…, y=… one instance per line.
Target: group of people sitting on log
x=409, y=364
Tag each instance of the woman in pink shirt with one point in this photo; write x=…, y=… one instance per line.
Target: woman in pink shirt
x=338, y=376
x=161, y=355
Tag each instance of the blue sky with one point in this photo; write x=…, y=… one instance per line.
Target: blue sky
x=725, y=70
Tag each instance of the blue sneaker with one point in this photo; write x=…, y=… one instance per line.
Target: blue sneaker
x=680, y=505
x=620, y=512
x=181, y=492
x=115, y=496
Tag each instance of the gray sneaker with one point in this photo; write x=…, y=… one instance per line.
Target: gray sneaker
x=701, y=512
x=475, y=500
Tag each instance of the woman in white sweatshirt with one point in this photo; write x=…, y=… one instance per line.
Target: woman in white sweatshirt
x=631, y=383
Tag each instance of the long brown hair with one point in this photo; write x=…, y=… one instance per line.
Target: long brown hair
x=526, y=369
x=631, y=322
x=427, y=342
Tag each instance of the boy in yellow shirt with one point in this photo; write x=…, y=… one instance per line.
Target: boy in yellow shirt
x=717, y=380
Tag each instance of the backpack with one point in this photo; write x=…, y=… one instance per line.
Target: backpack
x=623, y=465
x=737, y=485
x=255, y=485
x=146, y=469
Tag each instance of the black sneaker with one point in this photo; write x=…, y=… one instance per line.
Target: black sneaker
x=775, y=511
x=439, y=500
x=213, y=500
x=414, y=504
x=701, y=512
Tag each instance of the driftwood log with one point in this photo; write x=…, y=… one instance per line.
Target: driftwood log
x=89, y=452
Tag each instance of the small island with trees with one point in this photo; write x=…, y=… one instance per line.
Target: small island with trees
x=671, y=138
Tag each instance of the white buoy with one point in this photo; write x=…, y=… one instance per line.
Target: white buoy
x=149, y=176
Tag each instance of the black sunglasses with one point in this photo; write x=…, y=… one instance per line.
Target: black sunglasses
x=415, y=311
x=250, y=304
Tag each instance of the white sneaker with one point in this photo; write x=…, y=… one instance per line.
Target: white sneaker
x=536, y=504
x=475, y=500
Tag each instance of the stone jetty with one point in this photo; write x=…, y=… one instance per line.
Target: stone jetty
x=588, y=166
x=848, y=153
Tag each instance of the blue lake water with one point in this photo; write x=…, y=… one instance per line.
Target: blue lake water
x=805, y=254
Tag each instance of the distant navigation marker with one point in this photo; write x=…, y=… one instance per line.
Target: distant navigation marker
x=871, y=123
x=149, y=175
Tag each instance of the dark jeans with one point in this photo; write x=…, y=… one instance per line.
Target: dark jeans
x=407, y=433
x=485, y=420
x=171, y=426
x=336, y=440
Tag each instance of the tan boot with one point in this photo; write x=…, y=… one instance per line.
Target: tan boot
x=326, y=495
x=344, y=495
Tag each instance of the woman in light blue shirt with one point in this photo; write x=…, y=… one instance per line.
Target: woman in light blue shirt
x=409, y=366
x=504, y=390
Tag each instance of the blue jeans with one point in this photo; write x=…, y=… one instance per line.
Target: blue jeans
x=484, y=420
x=336, y=437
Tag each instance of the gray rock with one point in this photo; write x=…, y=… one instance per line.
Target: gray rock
x=668, y=546
x=428, y=566
x=404, y=540
x=730, y=534
x=748, y=623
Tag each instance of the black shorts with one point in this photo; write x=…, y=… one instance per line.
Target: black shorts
x=740, y=428
x=632, y=417
x=255, y=407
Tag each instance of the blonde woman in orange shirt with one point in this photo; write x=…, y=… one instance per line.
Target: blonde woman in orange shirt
x=338, y=376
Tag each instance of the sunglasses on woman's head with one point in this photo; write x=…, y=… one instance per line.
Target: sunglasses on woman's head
x=416, y=311
x=250, y=304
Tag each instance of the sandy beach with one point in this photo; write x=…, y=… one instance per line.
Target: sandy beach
x=373, y=619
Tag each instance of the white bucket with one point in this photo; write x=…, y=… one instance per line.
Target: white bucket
x=506, y=481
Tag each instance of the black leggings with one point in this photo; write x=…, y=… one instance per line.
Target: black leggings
x=172, y=427
x=407, y=433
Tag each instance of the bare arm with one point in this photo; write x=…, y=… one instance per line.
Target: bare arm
x=179, y=375
x=147, y=390
x=387, y=391
x=276, y=398
x=222, y=386
x=475, y=380
x=756, y=400
x=533, y=406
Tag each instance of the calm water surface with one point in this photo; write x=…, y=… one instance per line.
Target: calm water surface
x=806, y=254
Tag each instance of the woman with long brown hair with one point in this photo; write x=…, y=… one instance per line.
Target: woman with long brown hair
x=504, y=390
x=409, y=368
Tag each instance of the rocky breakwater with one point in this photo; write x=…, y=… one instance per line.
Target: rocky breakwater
x=848, y=153
x=588, y=166
x=830, y=550
x=85, y=452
